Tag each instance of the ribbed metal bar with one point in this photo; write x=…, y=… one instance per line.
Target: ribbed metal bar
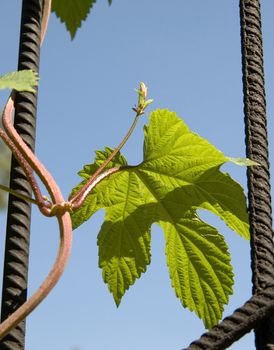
x=19, y=212
x=235, y=326
x=257, y=313
x=259, y=195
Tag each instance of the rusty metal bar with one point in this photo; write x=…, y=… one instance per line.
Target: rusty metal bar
x=15, y=275
x=258, y=312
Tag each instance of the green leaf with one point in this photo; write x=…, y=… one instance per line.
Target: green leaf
x=103, y=190
x=124, y=239
x=180, y=174
x=199, y=267
x=73, y=12
x=124, y=254
x=23, y=80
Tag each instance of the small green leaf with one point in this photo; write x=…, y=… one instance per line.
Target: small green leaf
x=180, y=174
x=23, y=80
x=73, y=12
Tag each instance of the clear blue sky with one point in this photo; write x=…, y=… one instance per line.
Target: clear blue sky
x=188, y=53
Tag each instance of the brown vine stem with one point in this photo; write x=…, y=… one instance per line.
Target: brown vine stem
x=27, y=169
x=103, y=175
x=27, y=156
x=50, y=281
x=29, y=161
x=78, y=199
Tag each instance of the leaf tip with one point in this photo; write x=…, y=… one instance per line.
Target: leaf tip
x=117, y=301
x=243, y=161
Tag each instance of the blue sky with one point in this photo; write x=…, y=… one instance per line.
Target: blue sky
x=188, y=53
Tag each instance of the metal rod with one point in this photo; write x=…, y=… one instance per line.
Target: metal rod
x=15, y=275
x=257, y=313
x=259, y=195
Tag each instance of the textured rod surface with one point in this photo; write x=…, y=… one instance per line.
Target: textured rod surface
x=259, y=196
x=257, y=146
x=235, y=326
x=18, y=221
x=257, y=312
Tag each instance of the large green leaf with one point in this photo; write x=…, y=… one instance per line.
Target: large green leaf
x=180, y=174
x=23, y=80
x=73, y=12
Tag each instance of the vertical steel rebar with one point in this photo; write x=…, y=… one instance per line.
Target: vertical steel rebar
x=19, y=211
x=259, y=195
x=258, y=312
